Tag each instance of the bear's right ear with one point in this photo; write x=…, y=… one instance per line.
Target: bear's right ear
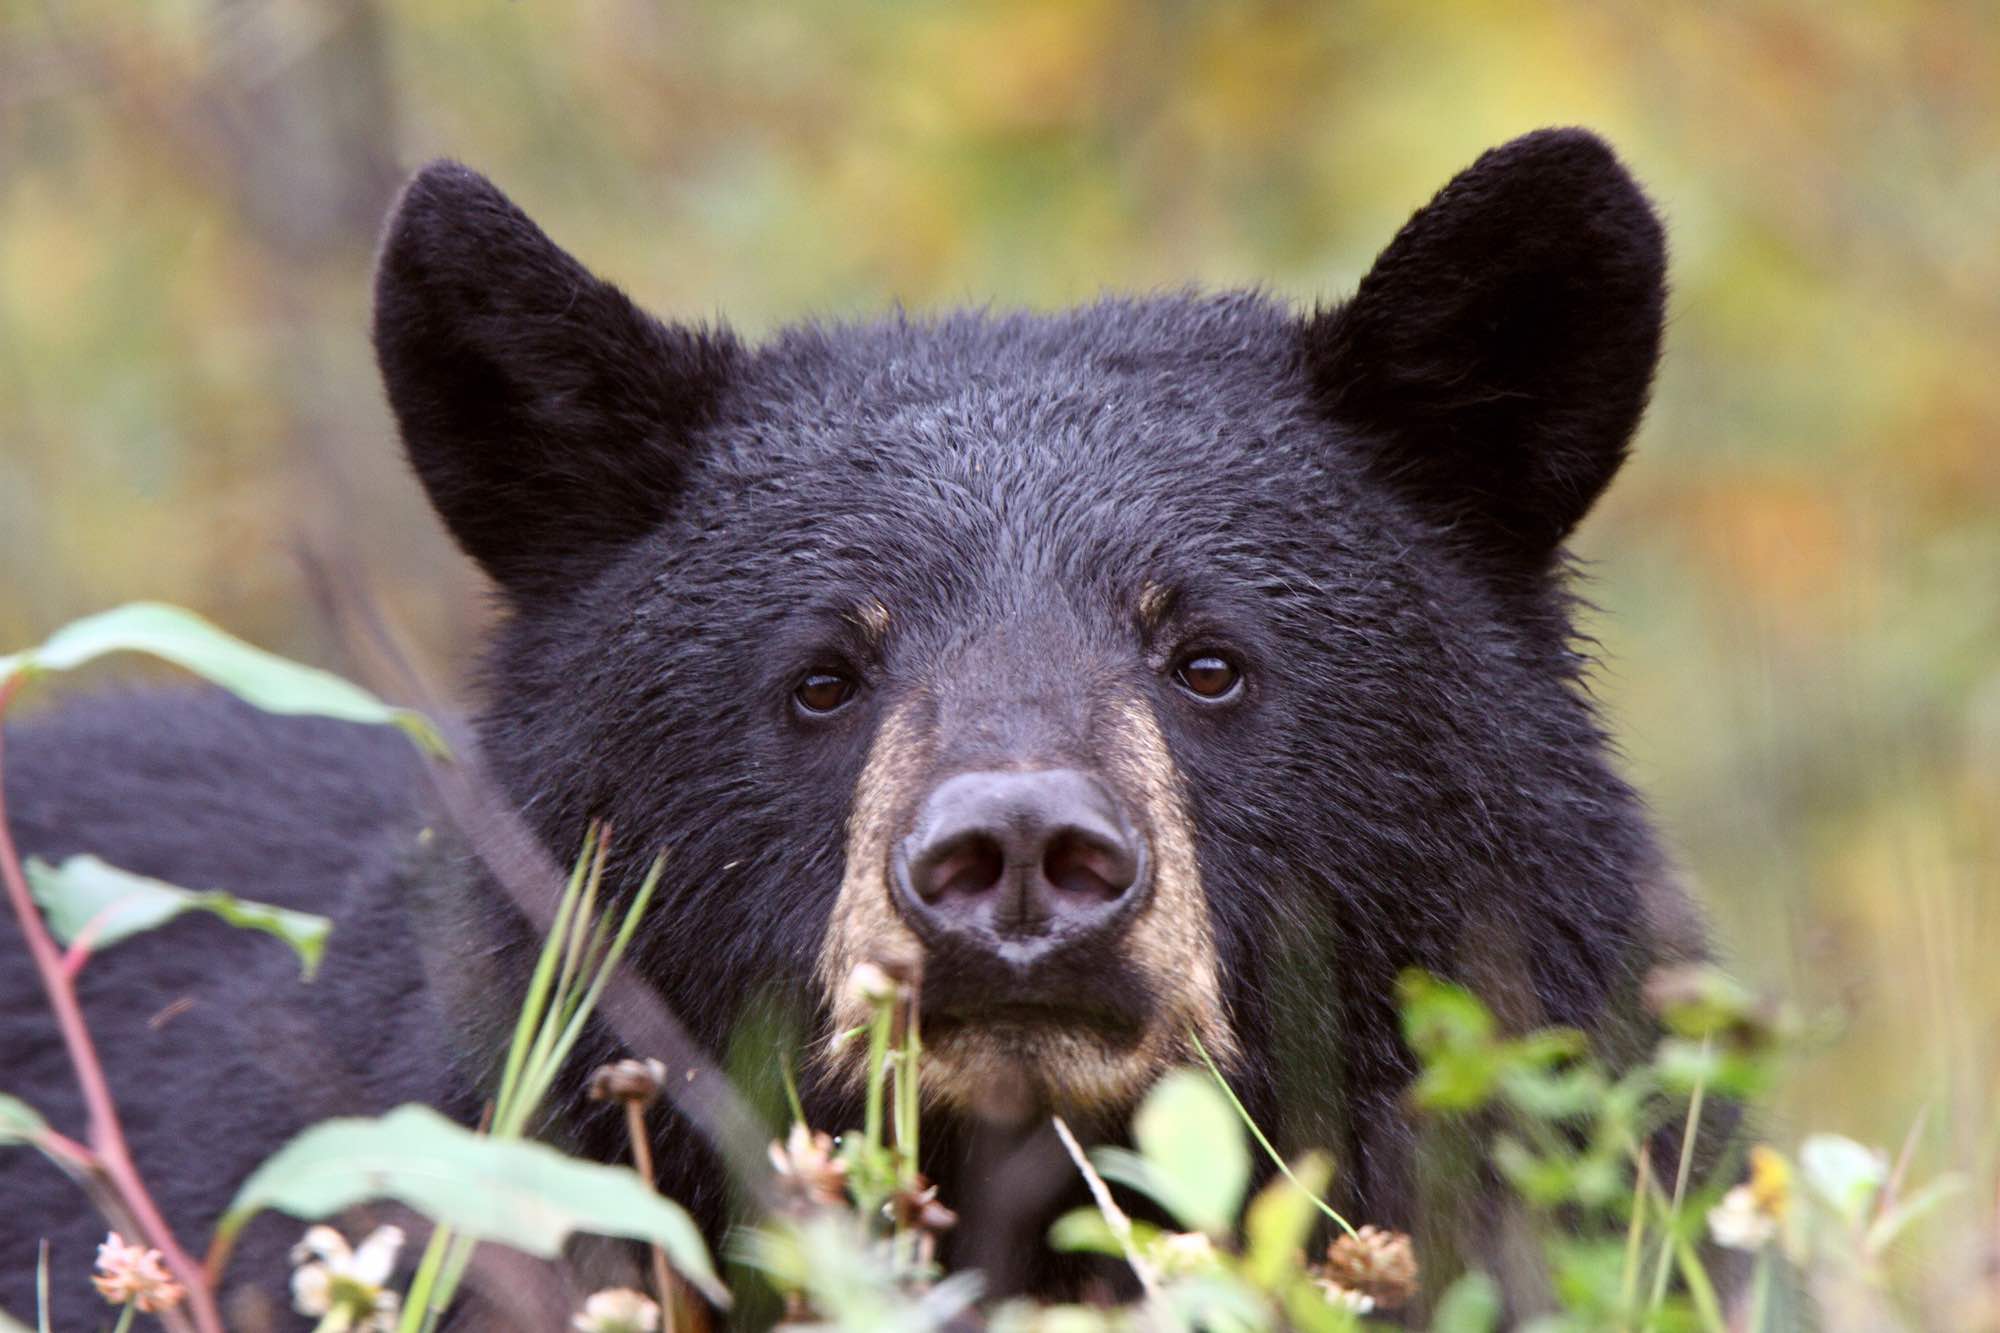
x=548, y=417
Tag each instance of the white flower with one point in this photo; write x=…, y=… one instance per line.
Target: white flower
x=1183, y=1254
x=617, y=1310
x=1740, y=1222
x=1345, y=1298
x=328, y=1276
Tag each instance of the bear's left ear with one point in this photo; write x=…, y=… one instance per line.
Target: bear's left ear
x=549, y=418
x=1495, y=360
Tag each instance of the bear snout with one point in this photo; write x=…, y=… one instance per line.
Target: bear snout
x=1019, y=866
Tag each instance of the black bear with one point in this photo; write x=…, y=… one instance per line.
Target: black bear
x=1183, y=665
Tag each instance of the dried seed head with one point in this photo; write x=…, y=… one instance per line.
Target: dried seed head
x=134, y=1275
x=628, y=1081
x=1379, y=1264
x=808, y=1169
x=916, y=1207
x=1699, y=1000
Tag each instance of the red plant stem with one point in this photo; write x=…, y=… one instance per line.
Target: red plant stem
x=642, y=1161
x=106, y=1137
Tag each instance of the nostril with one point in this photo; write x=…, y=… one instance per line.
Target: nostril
x=966, y=867
x=1087, y=867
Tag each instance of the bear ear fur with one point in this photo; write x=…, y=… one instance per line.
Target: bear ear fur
x=547, y=416
x=1496, y=359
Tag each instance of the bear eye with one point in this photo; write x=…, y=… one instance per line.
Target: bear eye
x=1207, y=676
x=824, y=691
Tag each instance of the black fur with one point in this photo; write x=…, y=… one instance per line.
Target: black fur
x=679, y=522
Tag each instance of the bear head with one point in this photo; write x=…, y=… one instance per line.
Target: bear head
x=1162, y=671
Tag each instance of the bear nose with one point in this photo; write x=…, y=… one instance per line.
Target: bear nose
x=1019, y=862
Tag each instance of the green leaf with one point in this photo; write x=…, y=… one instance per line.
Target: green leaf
x=1280, y=1219
x=1439, y=1016
x=1217, y=1300
x=1085, y=1230
x=83, y=890
x=510, y=1191
x=19, y=1122
x=1844, y=1173
x=1470, y=1305
x=272, y=683
x=1192, y=1160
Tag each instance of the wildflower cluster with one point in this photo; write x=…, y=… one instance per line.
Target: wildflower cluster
x=854, y=1244
x=134, y=1275
x=347, y=1288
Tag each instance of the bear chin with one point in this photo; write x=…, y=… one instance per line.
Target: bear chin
x=1009, y=1067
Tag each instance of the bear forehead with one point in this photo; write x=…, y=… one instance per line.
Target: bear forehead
x=1123, y=427
x=1109, y=376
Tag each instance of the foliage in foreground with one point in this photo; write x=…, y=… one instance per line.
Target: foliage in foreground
x=1628, y=1232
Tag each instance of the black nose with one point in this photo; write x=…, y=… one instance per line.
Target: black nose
x=1017, y=863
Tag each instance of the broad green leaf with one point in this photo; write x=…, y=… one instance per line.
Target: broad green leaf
x=1844, y=1173
x=1195, y=1162
x=1128, y=1168
x=84, y=889
x=1438, y=1015
x=19, y=1122
x=510, y=1191
x=1469, y=1305
x=1280, y=1218
x=1217, y=1300
x=1085, y=1230
x=272, y=683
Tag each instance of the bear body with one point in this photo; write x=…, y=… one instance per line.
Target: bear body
x=1166, y=668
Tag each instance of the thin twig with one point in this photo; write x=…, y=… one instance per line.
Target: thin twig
x=1114, y=1216
x=642, y=1159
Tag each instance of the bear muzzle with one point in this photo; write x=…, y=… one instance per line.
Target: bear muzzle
x=1020, y=865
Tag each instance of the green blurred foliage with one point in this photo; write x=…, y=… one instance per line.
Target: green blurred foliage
x=1800, y=570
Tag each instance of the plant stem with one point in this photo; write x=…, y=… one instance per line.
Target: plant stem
x=1688, y=1134
x=642, y=1160
x=878, y=1067
x=416, y=1302
x=105, y=1136
x=907, y=1097
x=1635, y=1236
x=1264, y=1143
x=1760, y=1293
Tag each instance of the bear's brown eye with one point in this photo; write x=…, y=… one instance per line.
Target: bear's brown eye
x=1208, y=677
x=823, y=691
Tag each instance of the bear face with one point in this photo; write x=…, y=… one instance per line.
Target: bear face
x=1164, y=669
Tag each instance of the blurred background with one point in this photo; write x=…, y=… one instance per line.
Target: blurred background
x=1798, y=576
